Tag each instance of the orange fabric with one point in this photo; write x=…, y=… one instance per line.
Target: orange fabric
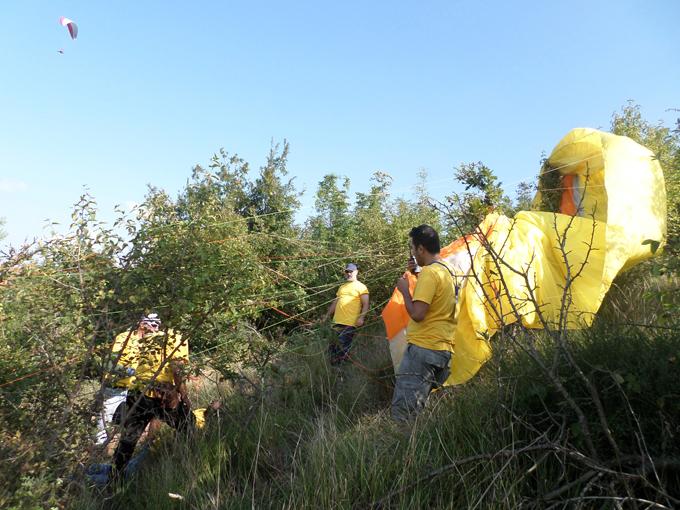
x=394, y=314
x=567, y=205
x=455, y=246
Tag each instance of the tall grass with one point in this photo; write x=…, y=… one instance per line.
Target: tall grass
x=308, y=435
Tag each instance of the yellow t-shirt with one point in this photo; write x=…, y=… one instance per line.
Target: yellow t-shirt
x=156, y=350
x=435, y=286
x=348, y=306
x=125, y=345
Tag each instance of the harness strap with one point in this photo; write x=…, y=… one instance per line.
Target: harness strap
x=455, y=280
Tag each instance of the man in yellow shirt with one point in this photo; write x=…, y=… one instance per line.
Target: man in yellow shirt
x=430, y=331
x=158, y=391
x=349, y=309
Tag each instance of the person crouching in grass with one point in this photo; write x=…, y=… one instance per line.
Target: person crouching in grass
x=159, y=390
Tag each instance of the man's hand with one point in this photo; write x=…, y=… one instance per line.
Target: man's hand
x=411, y=265
x=402, y=286
x=360, y=322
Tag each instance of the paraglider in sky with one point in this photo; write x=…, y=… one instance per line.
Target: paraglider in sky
x=60, y=51
x=72, y=27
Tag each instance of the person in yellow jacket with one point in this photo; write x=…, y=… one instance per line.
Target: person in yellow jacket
x=159, y=390
x=430, y=331
x=349, y=309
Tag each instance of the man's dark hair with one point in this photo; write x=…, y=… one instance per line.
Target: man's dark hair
x=427, y=237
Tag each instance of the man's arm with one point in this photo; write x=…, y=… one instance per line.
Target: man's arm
x=364, y=310
x=416, y=309
x=331, y=310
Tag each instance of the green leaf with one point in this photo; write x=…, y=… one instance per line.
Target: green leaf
x=654, y=245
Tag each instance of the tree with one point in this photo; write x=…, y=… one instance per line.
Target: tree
x=332, y=222
x=187, y=260
x=272, y=203
x=483, y=194
x=372, y=209
x=57, y=303
x=524, y=196
x=372, y=213
x=422, y=206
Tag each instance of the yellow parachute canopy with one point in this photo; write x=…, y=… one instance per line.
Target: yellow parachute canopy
x=610, y=179
x=602, y=202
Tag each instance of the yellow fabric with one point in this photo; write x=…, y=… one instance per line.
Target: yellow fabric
x=620, y=182
x=348, y=306
x=533, y=272
x=621, y=221
x=435, y=286
x=155, y=351
x=199, y=416
x=124, y=344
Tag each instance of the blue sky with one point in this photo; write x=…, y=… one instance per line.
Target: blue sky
x=151, y=88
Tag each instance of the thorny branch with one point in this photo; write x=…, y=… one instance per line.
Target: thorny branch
x=524, y=340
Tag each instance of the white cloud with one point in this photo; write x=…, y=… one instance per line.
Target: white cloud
x=12, y=185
